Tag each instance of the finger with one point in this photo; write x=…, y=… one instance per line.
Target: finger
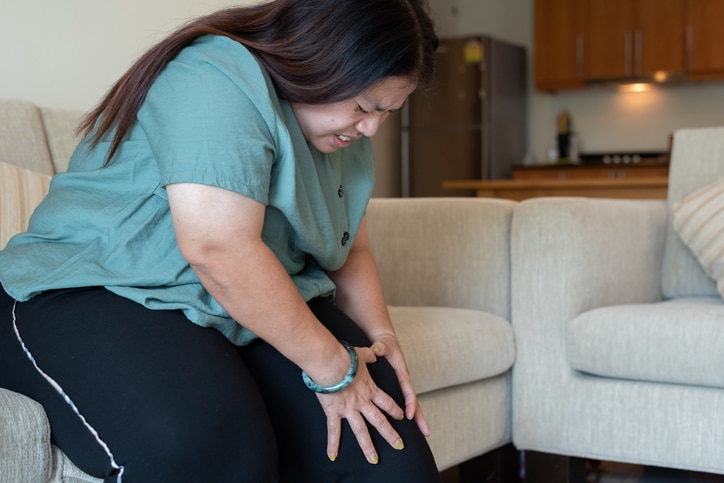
x=334, y=430
x=380, y=422
x=379, y=348
x=388, y=405
x=421, y=422
x=366, y=354
x=408, y=392
x=359, y=428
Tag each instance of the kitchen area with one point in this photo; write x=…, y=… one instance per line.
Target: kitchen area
x=666, y=72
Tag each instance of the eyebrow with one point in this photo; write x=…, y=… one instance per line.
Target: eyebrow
x=379, y=108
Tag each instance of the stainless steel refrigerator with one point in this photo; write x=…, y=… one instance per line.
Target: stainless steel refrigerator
x=473, y=125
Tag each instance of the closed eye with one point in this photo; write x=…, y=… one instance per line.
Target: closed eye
x=359, y=108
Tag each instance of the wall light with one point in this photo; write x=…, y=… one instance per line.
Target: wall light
x=661, y=76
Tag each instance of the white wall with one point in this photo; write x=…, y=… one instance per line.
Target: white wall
x=608, y=120
x=67, y=53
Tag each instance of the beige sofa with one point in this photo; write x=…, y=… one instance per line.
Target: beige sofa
x=445, y=266
x=619, y=331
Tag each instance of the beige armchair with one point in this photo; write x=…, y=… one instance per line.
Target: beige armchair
x=619, y=331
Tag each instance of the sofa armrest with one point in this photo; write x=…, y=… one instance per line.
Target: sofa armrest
x=446, y=252
x=25, y=450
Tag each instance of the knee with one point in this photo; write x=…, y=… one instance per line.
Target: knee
x=208, y=449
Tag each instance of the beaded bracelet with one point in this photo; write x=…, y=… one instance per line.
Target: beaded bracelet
x=346, y=381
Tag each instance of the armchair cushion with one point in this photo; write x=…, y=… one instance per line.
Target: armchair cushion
x=448, y=346
x=677, y=341
x=699, y=221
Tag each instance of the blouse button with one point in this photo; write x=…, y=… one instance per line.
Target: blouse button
x=340, y=191
x=345, y=238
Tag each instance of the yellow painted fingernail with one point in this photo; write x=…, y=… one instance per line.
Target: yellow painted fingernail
x=374, y=459
x=332, y=456
x=399, y=444
x=377, y=349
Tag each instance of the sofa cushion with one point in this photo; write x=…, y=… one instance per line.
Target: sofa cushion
x=445, y=347
x=699, y=221
x=25, y=452
x=20, y=192
x=20, y=122
x=697, y=158
x=60, y=126
x=678, y=341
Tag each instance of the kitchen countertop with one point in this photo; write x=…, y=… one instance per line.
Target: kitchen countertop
x=521, y=189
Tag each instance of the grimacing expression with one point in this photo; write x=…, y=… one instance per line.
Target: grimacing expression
x=329, y=127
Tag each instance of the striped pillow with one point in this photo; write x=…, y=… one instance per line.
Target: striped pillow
x=21, y=190
x=699, y=221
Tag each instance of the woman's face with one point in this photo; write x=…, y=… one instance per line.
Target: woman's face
x=329, y=127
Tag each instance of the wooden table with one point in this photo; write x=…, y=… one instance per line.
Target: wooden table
x=521, y=189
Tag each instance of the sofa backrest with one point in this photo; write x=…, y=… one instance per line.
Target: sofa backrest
x=60, y=132
x=20, y=192
x=38, y=139
x=697, y=159
x=22, y=137
x=445, y=252
x=35, y=143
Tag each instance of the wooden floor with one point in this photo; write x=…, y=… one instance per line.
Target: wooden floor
x=621, y=473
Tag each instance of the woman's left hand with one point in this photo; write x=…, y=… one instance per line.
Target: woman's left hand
x=387, y=346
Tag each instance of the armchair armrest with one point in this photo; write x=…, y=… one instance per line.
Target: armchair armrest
x=25, y=450
x=446, y=252
x=571, y=255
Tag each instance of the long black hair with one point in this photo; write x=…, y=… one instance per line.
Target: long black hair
x=316, y=52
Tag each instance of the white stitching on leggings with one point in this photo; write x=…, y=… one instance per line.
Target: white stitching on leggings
x=67, y=399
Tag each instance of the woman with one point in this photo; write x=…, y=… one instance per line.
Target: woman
x=208, y=244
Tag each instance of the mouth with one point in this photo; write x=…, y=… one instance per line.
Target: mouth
x=343, y=138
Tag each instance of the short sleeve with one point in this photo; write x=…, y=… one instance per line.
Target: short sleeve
x=209, y=119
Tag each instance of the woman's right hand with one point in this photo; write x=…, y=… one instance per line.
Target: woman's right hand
x=361, y=401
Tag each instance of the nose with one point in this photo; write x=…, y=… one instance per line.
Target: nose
x=369, y=125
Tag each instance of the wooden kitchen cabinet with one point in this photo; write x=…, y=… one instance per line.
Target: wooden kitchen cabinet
x=704, y=39
x=577, y=41
x=558, y=44
x=633, y=38
x=662, y=35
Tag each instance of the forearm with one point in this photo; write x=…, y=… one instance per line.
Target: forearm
x=360, y=295
x=253, y=287
x=219, y=235
x=359, y=292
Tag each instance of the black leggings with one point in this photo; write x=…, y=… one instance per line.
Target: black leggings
x=136, y=395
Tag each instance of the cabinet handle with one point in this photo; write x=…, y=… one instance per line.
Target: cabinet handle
x=579, y=57
x=627, y=54
x=638, y=51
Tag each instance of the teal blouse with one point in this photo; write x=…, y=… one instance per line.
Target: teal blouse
x=212, y=117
